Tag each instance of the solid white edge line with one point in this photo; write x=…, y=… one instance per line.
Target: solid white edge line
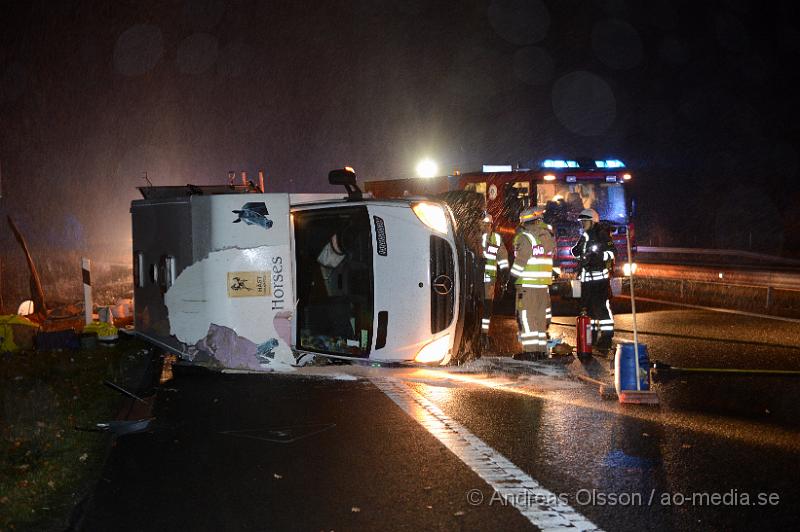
x=541, y=507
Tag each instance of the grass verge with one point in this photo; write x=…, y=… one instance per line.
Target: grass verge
x=46, y=466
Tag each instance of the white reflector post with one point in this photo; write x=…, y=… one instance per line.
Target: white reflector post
x=26, y=308
x=86, y=266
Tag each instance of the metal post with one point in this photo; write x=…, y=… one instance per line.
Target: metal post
x=86, y=266
x=244, y=178
x=633, y=314
x=682, y=288
x=261, y=180
x=769, y=296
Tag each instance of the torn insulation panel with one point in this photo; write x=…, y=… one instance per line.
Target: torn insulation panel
x=226, y=305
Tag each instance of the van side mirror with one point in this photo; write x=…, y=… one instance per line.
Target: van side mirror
x=347, y=177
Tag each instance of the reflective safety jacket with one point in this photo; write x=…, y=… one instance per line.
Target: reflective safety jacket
x=533, y=258
x=595, y=253
x=495, y=255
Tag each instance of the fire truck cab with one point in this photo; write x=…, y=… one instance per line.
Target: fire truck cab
x=564, y=187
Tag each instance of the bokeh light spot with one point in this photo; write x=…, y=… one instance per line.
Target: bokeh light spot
x=520, y=21
x=584, y=103
x=617, y=44
x=533, y=65
x=138, y=50
x=197, y=53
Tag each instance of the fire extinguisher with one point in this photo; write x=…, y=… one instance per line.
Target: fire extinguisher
x=584, y=334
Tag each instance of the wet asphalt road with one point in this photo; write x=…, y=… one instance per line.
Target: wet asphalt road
x=334, y=452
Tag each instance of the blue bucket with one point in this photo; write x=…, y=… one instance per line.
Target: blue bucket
x=625, y=367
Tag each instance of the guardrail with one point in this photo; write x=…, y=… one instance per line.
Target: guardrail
x=736, y=279
x=777, y=293
x=732, y=253
x=721, y=276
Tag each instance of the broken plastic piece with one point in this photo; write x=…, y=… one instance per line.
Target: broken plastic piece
x=123, y=391
x=120, y=427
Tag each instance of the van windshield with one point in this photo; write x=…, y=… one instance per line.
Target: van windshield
x=333, y=248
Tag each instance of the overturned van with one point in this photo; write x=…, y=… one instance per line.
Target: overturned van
x=232, y=278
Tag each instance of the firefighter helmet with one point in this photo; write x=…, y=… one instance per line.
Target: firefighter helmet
x=530, y=214
x=589, y=214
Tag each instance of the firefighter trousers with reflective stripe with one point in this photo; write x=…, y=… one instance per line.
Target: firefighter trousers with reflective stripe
x=595, y=299
x=531, y=309
x=488, y=305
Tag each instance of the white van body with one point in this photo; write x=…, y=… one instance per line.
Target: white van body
x=233, y=280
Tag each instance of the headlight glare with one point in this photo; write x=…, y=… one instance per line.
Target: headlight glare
x=628, y=268
x=431, y=215
x=434, y=351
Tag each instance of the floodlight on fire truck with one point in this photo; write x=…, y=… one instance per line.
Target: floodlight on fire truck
x=427, y=168
x=549, y=177
x=626, y=177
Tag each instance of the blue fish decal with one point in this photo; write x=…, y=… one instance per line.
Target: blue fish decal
x=254, y=213
x=265, y=352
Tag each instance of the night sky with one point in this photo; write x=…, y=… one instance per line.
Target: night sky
x=700, y=98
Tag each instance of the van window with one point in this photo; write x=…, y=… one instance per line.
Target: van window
x=333, y=249
x=515, y=198
x=523, y=192
x=480, y=187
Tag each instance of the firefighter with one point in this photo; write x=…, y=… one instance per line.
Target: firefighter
x=496, y=268
x=595, y=254
x=533, y=274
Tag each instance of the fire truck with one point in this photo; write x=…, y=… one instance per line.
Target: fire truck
x=564, y=187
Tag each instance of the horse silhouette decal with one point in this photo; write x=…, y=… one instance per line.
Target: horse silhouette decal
x=240, y=284
x=253, y=213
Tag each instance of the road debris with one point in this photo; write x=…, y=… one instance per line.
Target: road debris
x=123, y=391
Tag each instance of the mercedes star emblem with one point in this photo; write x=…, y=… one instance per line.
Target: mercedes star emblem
x=442, y=285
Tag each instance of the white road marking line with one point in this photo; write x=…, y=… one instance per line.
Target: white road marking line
x=541, y=507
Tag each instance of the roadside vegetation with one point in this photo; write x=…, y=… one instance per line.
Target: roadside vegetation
x=46, y=465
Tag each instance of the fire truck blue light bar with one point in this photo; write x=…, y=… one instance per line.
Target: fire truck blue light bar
x=559, y=163
x=610, y=163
